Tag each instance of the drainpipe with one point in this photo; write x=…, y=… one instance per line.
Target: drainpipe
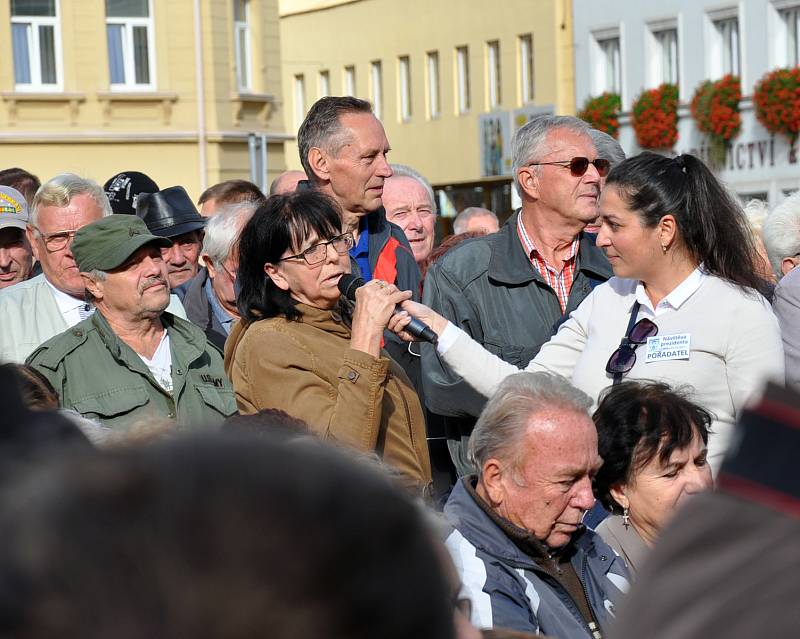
x=201, y=91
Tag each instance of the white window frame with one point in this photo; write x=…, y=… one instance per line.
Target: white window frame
x=376, y=87
x=463, y=101
x=128, y=24
x=494, y=94
x=324, y=84
x=526, y=70
x=659, y=60
x=717, y=47
x=242, y=28
x=299, y=99
x=607, y=62
x=781, y=54
x=349, y=80
x=34, y=51
x=404, y=87
x=434, y=97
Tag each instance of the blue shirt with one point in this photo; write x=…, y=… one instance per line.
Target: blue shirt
x=360, y=252
x=223, y=317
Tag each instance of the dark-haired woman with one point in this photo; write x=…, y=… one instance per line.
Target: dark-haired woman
x=685, y=287
x=298, y=349
x=653, y=444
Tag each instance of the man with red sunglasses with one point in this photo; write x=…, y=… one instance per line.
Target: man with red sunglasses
x=511, y=290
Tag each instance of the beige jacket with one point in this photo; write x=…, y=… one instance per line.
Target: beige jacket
x=308, y=369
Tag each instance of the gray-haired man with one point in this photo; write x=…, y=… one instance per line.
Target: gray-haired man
x=511, y=290
x=525, y=560
x=410, y=203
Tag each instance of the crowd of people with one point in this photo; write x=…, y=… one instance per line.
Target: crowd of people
x=220, y=422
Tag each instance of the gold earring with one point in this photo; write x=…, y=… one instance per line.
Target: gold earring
x=664, y=249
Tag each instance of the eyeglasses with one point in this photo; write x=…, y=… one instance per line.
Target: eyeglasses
x=317, y=253
x=623, y=359
x=578, y=166
x=56, y=241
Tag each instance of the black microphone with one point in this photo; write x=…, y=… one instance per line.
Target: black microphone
x=347, y=287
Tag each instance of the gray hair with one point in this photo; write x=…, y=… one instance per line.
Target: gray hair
x=463, y=218
x=607, y=147
x=505, y=418
x=401, y=170
x=222, y=230
x=530, y=141
x=322, y=128
x=781, y=232
x=60, y=190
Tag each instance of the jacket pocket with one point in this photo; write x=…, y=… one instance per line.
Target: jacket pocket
x=112, y=403
x=221, y=400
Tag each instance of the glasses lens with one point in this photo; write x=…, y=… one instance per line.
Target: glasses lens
x=57, y=241
x=316, y=253
x=343, y=243
x=578, y=166
x=621, y=360
x=602, y=166
x=642, y=330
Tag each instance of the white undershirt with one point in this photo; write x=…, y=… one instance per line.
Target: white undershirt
x=68, y=305
x=161, y=363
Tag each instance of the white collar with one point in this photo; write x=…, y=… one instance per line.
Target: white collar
x=677, y=296
x=65, y=302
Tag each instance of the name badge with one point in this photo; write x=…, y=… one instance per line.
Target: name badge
x=665, y=347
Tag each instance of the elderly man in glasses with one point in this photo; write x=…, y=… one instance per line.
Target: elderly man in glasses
x=512, y=289
x=44, y=306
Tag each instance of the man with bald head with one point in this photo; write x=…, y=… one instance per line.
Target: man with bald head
x=286, y=182
x=475, y=219
x=525, y=560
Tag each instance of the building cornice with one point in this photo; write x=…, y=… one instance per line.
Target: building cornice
x=132, y=137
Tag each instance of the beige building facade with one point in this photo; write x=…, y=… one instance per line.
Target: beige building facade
x=188, y=92
x=451, y=80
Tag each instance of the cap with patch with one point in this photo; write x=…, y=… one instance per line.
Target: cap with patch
x=108, y=242
x=13, y=208
x=124, y=188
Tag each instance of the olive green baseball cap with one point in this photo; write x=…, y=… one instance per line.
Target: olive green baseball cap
x=108, y=242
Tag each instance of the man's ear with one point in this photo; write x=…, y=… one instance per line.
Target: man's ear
x=30, y=233
x=528, y=179
x=205, y=260
x=788, y=263
x=94, y=287
x=492, y=475
x=618, y=493
x=275, y=274
x=318, y=161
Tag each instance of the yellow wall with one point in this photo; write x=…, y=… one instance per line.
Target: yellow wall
x=325, y=34
x=91, y=131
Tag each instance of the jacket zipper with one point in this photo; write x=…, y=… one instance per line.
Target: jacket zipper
x=595, y=631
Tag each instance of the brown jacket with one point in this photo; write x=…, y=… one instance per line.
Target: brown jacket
x=308, y=369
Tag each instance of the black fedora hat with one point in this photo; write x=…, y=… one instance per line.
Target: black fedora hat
x=169, y=212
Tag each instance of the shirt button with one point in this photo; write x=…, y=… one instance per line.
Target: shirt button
x=352, y=376
x=171, y=415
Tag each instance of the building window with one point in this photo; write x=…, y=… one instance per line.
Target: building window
x=299, y=99
x=350, y=80
x=493, y=74
x=790, y=33
x=434, y=104
x=129, y=30
x=462, y=79
x=725, y=47
x=404, y=87
x=664, y=56
x=376, y=80
x=608, y=69
x=526, y=68
x=324, y=83
x=241, y=38
x=36, y=43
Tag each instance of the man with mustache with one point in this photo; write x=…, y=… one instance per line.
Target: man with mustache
x=132, y=364
x=512, y=289
x=171, y=213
